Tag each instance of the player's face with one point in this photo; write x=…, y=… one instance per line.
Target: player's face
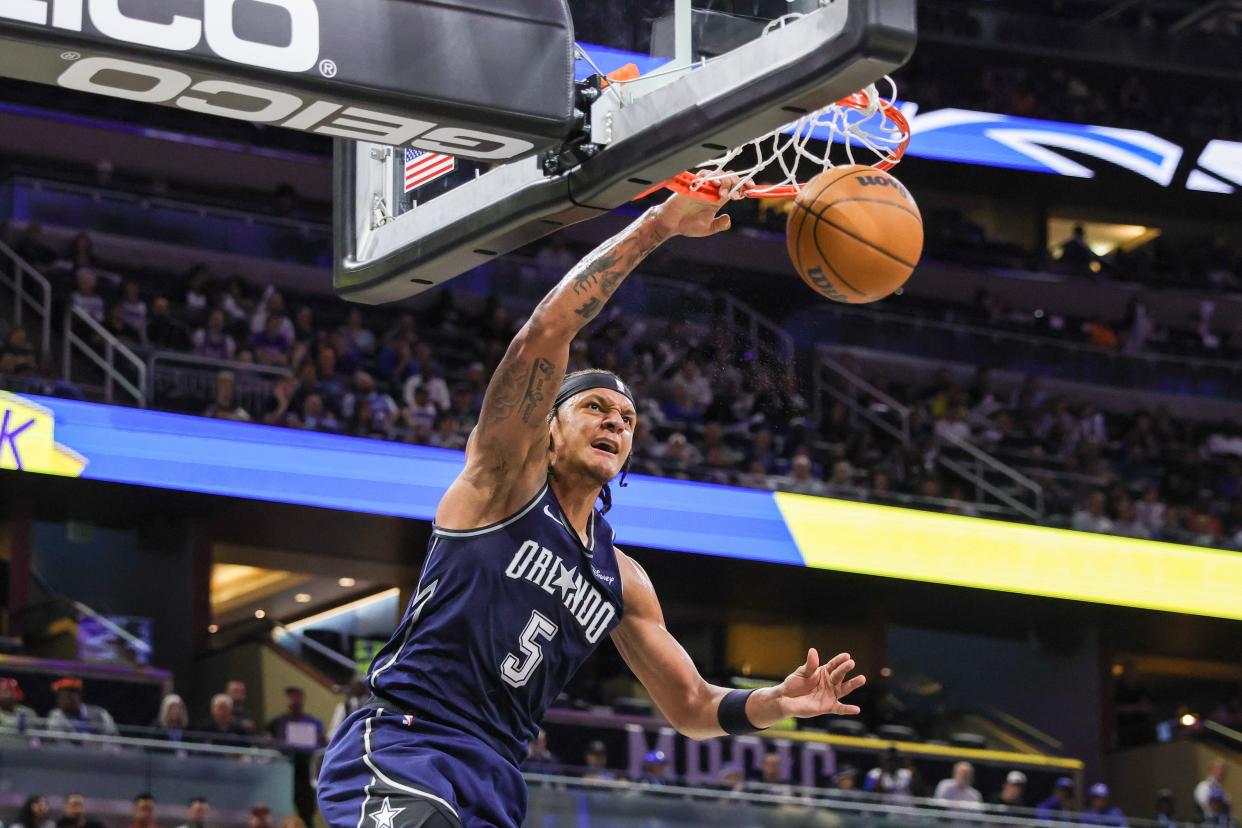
x=596, y=429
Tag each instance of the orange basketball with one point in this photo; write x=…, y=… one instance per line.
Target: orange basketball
x=855, y=234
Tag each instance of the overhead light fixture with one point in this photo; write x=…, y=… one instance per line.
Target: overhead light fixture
x=1189, y=720
x=347, y=582
x=260, y=614
x=213, y=628
x=302, y=598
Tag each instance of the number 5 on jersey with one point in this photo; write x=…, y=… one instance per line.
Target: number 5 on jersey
x=517, y=671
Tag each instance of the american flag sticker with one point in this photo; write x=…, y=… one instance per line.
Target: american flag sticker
x=423, y=167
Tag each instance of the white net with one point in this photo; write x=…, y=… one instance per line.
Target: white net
x=865, y=128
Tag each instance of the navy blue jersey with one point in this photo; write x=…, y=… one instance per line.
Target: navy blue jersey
x=502, y=619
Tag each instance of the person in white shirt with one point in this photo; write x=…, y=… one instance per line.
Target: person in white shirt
x=1215, y=781
x=958, y=789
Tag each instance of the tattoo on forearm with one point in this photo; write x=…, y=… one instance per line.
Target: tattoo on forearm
x=590, y=309
x=506, y=389
x=541, y=374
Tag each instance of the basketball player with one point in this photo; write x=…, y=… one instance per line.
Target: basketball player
x=521, y=582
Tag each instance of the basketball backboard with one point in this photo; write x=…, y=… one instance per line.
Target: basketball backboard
x=714, y=74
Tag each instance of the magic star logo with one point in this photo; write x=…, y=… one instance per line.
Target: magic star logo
x=28, y=440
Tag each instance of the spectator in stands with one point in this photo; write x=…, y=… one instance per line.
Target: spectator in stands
x=1213, y=783
x=121, y=329
x=34, y=813
x=655, y=769
x=358, y=337
x=271, y=346
x=173, y=719
x=278, y=411
x=367, y=409
x=222, y=727
x=86, y=297
x=437, y=388
x=82, y=252
x=164, y=332
x=1076, y=256
x=421, y=409
x=196, y=813
x=212, y=340
x=891, y=778
x=1093, y=518
x=539, y=758
x=236, y=690
x=1128, y=524
x=197, y=299
x=1218, y=812
x=316, y=416
x=295, y=727
x=31, y=247
x=72, y=715
x=953, y=425
x=1166, y=808
x=134, y=309
x=331, y=384
x=959, y=788
x=260, y=816
x=225, y=406
x=1062, y=799
x=800, y=478
x=292, y=821
x=846, y=779
x=774, y=778
x=1013, y=793
x=732, y=779
x=1099, y=812
x=75, y=815
x=272, y=304
x=13, y=714
x=144, y=812
x=18, y=356
x=596, y=761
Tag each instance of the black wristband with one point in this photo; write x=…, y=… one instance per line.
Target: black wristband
x=732, y=713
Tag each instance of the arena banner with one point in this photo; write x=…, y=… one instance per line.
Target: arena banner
x=196, y=454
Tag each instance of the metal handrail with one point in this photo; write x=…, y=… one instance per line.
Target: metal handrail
x=106, y=363
x=982, y=457
x=23, y=270
x=758, y=321
x=242, y=370
x=887, y=317
x=324, y=650
x=113, y=627
x=102, y=740
x=825, y=362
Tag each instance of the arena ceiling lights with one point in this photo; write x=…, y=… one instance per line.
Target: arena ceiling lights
x=196, y=454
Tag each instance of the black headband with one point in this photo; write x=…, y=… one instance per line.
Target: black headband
x=591, y=379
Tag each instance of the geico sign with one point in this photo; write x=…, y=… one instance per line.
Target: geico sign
x=182, y=33
x=160, y=85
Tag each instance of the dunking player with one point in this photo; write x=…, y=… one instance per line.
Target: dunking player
x=522, y=581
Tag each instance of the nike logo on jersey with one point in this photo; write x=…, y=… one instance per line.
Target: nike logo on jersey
x=538, y=565
x=547, y=510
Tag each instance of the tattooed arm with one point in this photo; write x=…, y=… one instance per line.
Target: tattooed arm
x=506, y=457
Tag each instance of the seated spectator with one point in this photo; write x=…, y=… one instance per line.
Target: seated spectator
x=331, y=384
x=1062, y=799
x=655, y=769
x=279, y=407
x=1099, y=812
x=315, y=415
x=800, y=479
x=272, y=304
x=31, y=247
x=236, y=690
x=270, y=345
x=165, y=333
x=421, y=409
x=1013, y=793
x=82, y=252
x=144, y=812
x=679, y=409
x=437, y=388
x=213, y=340
x=539, y=759
x=958, y=789
x=134, y=309
x=196, y=813
x=260, y=816
x=225, y=406
x=122, y=330
x=596, y=761
x=13, y=714
x=774, y=778
x=381, y=411
x=75, y=815
x=953, y=425
x=846, y=779
x=358, y=338
x=173, y=719
x=891, y=778
x=86, y=297
x=446, y=435
x=1092, y=518
x=1128, y=525
x=841, y=484
x=34, y=813
x=72, y=715
x=18, y=356
x=1218, y=814
x=197, y=297
x=222, y=727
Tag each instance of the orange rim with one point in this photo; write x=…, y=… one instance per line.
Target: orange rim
x=688, y=183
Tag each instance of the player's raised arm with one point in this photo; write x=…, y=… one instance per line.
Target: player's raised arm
x=701, y=710
x=506, y=457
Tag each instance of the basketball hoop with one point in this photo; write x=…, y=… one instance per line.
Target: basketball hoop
x=865, y=123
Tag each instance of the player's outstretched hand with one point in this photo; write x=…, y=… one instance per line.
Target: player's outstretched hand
x=694, y=217
x=815, y=689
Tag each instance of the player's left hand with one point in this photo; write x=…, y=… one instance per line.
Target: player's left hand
x=815, y=689
x=684, y=215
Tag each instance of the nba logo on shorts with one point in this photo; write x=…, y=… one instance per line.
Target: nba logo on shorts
x=407, y=720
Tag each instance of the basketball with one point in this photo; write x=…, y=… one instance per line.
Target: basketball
x=855, y=234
